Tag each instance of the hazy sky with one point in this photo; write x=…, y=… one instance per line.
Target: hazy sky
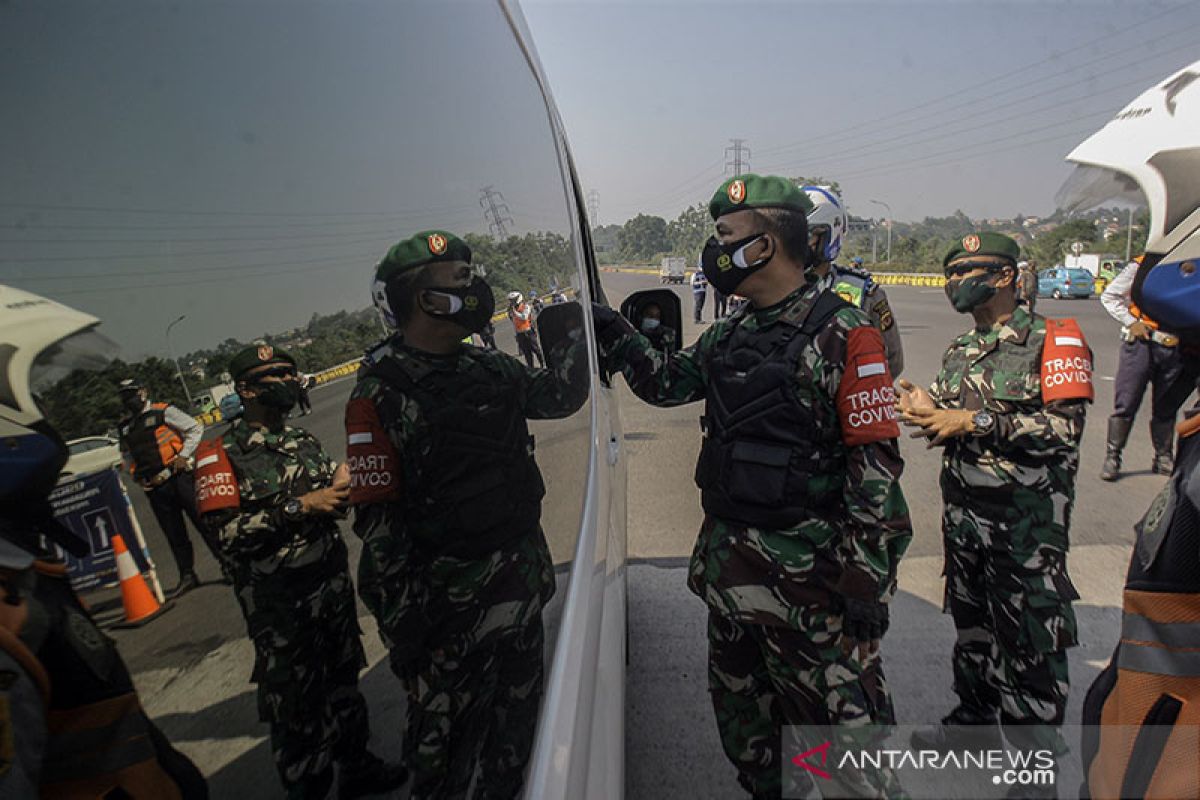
x=926, y=106
x=247, y=162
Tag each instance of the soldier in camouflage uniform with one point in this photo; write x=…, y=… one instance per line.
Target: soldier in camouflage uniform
x=272, y=496
x=1009, y=406
x=827, y=225
x=447, y=499
x=799, y=472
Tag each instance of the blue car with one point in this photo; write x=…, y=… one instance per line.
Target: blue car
x=1060, y=282
x=231, y=406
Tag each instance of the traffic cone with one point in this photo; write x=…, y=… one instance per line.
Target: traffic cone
x=139, y=602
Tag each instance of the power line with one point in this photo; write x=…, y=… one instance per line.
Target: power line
x=1056, y=58
x=866, y=148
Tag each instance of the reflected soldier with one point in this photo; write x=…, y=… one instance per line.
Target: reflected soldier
x=799, y=474
x=661, y=336
x=827, y=226
x=447, y=499
x=273, y=497
x=1009, y=405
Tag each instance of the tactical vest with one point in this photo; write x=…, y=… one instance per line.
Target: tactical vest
x=763, y=455
x=477, y=483
x=1148, y=698
x=151, y=442
x=100, y=742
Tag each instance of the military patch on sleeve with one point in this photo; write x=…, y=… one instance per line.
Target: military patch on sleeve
x=865, y=398
x=884, y=313
x=374, y=466
x=1066, y=363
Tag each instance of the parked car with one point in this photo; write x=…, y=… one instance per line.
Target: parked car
x=1060, y=282
x=231, y=406
x=92, y=454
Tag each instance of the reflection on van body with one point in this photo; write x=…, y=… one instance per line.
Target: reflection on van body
x=203, y=178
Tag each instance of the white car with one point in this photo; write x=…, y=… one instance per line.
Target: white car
x=92, y=454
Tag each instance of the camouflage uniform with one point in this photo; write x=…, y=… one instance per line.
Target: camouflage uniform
x=663, y=338
x=462, y=617
x=775, y=622
x=858, y=288
x=293, y=582
x=1008, y=497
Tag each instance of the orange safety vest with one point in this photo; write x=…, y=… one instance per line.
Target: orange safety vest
x=522, y=320
x=97, y=746
x=1137, y=312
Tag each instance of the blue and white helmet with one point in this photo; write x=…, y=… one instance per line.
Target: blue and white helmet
x=1150, y=153
x=380, y=298
x=828, y=217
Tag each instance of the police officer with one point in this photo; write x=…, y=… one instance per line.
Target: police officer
x=799, y=474
x=827, y=226
x=521, y=314
x=1149, y=356
x=1151, y=688
x=447, y=499
x=1027, y=289
x=71, y=722
x=159, y=441
x=272, y=497
x=1009, y=407
x=699, y=293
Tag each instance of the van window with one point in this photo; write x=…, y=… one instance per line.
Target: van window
x=204, y=177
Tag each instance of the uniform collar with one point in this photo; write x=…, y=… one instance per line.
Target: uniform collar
x=1016, y=329
x=250, y=437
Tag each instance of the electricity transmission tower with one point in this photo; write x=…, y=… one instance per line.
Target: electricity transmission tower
x=495, y=211
x=593, y=207
x=737, y=156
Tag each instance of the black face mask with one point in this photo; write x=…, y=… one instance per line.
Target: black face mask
x=725, y=266
x=279, y=395
x=471, y=306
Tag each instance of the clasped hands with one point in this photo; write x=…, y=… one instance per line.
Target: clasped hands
x=917, y=410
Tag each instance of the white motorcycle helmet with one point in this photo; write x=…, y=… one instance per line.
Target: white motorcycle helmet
x=1150, y=153
x=42, y=342
x=828, y=218
x=516, y=298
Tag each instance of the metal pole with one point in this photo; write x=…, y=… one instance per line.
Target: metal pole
x=874, y=243
x=178, y=370
x=889, y=224
x=1129, y=239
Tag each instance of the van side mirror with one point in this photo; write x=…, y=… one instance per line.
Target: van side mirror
x=670, y=309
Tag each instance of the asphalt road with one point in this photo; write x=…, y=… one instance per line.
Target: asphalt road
x=193, y=663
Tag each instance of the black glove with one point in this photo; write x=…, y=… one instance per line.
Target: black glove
x=864, y=620
x=610, y=325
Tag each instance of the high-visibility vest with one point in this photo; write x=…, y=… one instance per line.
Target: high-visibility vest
x=522, y=319
x=1141, y=316
x=151, y=442
x=1146, y=703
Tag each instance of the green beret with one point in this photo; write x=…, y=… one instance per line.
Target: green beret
x=984, y=244
x=257, y=355
x=420, y=249
x=758, y=191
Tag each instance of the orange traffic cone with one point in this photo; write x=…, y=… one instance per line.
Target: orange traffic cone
x=140, y=605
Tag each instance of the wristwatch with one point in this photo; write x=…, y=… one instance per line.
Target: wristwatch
x=293, y=509
x=983, y=422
